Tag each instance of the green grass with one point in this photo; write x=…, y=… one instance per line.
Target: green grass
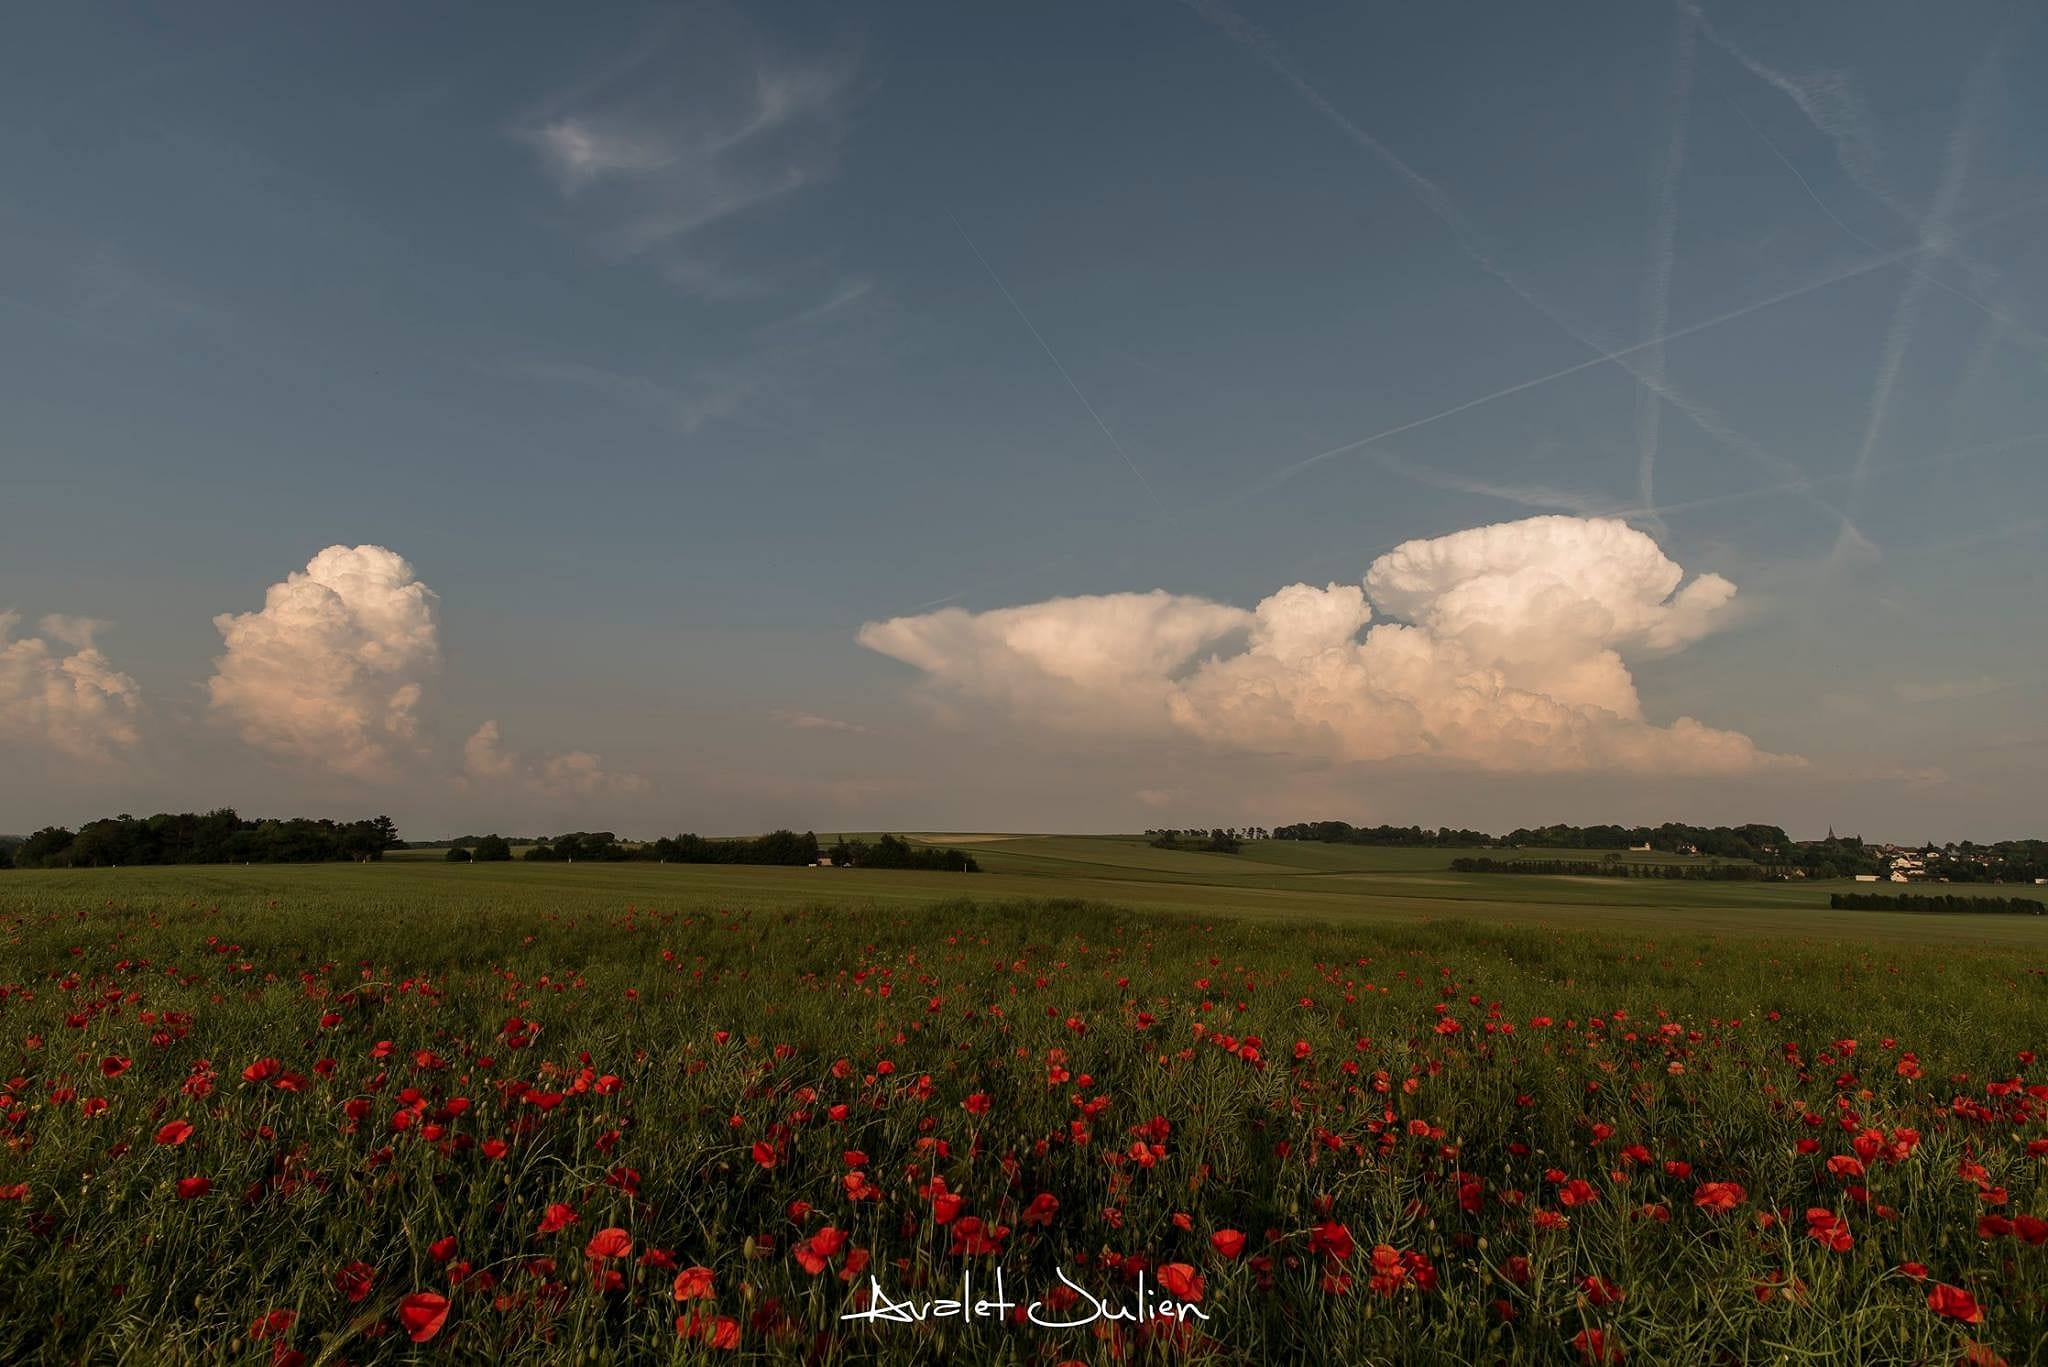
x=681, y=1016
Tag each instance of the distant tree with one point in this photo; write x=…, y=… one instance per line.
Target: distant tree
x=588, y=845
x=492, y=849
x=48, y=848
x=457, y=855
x=218, y=837
x=894, y=852
x=540, y=854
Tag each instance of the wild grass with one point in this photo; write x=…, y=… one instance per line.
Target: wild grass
x=1392, y=1113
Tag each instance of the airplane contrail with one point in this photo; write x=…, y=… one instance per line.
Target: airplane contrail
x=1433, y=197
x=1656, y=310
x=1025, y=318
x=1784, y=296
x=1934, y=234
x=1835, y=112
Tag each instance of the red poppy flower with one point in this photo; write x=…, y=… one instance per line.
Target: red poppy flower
x=1955, y=1303
x=1228, y=1242
x=1601, y=1292
x=694, y=1283
x=272, y=1324
x=1181, y=1281
x=191, y=1188
x=113, y=1066
x=1594, y=1348
x=1331, y=1238
x=1389, y=1274
x=608, y=1243
x=1719, y=1197
x=355, y=1281
x=174, y=1132
x=719, y=1331
x=557, y=1216
x=764, y=1153
x=422, y=1314
x=1829, y=1230
x=817, y=1251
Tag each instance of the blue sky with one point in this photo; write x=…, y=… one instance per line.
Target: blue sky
x=670, y=346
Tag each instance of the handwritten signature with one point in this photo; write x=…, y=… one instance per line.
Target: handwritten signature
x=1089, y=1307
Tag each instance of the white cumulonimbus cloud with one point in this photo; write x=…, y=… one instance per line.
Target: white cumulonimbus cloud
x=67, y=697
x=1501, y=648
x=329, y=672
x=578, y=773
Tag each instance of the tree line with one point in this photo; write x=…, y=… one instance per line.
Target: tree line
x=894, y=852
x=1619, y=868
x=222, y=836
x=1878, y=901
x=1344, y=833
x=782, y=848
x=1217, y=840
x=1834, y=857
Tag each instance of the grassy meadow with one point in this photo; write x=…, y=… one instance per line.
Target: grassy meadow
x=1334, y=1103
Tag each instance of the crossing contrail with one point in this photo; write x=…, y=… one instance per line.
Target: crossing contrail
x=1025, y=318
x=1934, y=232
x=1865, y=267
x=1836, y=113
x=1250, y=39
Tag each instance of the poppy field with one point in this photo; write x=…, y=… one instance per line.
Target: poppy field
x=401, y=1114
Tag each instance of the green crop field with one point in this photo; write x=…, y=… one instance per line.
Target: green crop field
x=1332, y=1103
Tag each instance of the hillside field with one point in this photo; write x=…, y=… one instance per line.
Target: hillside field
x=1331, y=1103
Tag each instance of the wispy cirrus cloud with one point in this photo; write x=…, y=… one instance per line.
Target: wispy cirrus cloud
x=1951, y=690
x=811, y=721
x=699, y=129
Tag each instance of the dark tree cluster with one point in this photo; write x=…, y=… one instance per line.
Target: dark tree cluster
x=217, y=837
x=1344, y=833
x=894, y=852
x=1620, y=868
x=590, y=847
x=1215, y=841
x=2007, y=861
x=785, y=848
x=1995, y=906
x=604, y=847
x=1834, y=857
x=481, y=849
